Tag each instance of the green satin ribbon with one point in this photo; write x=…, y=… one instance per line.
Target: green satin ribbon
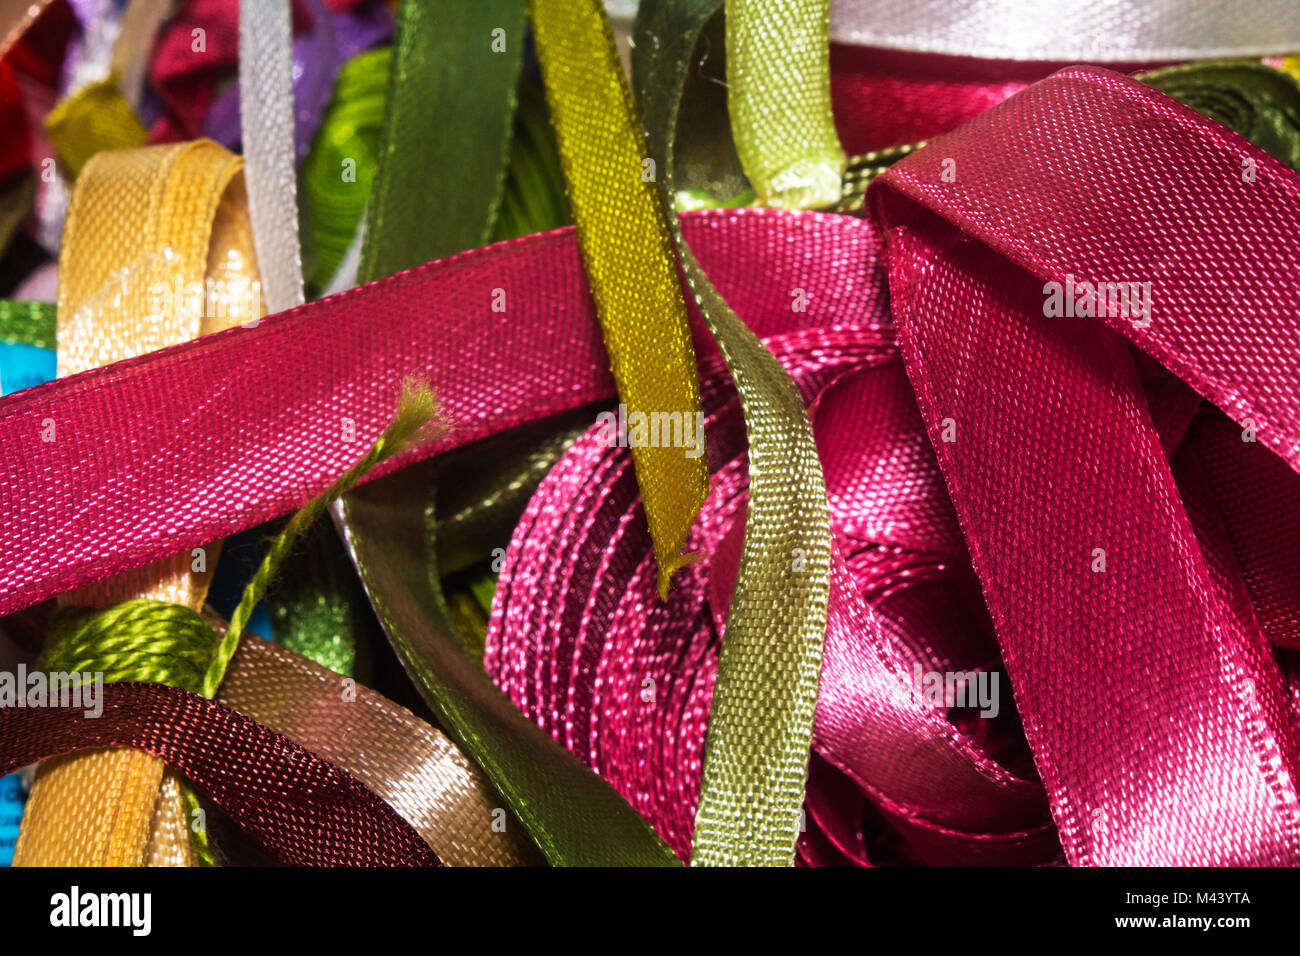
x=779, y=99
x=28, y=323
x=760, y=724
x=1257, y=101
x=573, y=816
x=449, y=96
x=446, y=132
x=339, y=170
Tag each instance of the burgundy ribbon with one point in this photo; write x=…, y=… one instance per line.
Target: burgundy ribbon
x=1157, y=711
x=301, y=807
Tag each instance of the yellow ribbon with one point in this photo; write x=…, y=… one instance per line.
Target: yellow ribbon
x=627, y=248
x=95, y=118
x=157, y=250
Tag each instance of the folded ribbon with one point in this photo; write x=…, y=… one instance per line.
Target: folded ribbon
x=1099, y=570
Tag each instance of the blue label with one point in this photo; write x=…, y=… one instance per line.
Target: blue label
x=22, y=366
x=12, y=799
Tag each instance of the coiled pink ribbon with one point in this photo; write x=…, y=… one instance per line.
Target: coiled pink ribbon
x=1156, y=708
x=1160, y=715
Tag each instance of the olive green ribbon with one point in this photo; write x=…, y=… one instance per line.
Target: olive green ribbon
x=779, y=99
x=760, y=722
x=339, y=171
x=446, y=132
x=97, y=117
x=437, y=191
x=1257, y=101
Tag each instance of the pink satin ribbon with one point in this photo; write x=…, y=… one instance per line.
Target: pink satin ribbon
x=885, y=98
x=1160, y=716
x=582, y=646
x=1154, y=704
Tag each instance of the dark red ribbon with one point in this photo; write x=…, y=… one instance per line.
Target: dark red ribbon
x=302, y=808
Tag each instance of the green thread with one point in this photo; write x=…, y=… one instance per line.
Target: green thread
x=198, y=835
x=137, y=640
x=163, y=643
x=414, y=411
x=533, y=199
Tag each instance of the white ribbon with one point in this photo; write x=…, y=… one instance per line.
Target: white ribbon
x=266, y=127
x=1094, y=31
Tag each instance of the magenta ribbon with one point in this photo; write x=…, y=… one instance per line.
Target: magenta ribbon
x=1158, y=695
x=1156, y=709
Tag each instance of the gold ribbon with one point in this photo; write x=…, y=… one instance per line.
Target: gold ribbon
x=627, y=248
x=157, y=250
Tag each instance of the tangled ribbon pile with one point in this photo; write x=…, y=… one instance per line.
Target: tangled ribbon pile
x=1052, y=388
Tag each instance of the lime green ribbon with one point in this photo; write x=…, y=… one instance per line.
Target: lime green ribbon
x=779, y=98
x=760, y=721
x=28, y=323
x=627, y=250
x=318, y=608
